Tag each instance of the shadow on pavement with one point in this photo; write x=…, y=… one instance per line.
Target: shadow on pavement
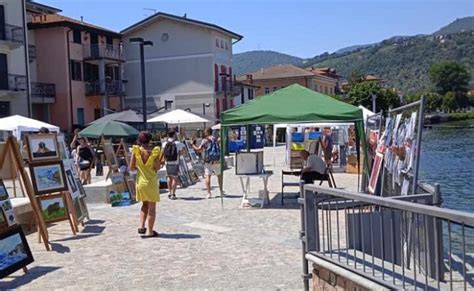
x=290, y=201
x=77, y=237
x=22, y=279
x=178, y=236
x=191, y=198
x=94, y=221
x=59, y=248
x=93, y=229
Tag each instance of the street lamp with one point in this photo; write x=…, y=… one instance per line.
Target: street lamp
x=142, y=43
x=204, y=105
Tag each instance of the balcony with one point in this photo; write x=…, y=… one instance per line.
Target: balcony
x=228, y=88
x=43, y=92
x=12, y=36
x=31, y=52
x=110, y=88
x=14, y=83
x=98, y=51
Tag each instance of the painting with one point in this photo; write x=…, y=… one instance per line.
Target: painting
x=42, y=147
x=110, y=154
x=374, y=175
x=7, y=209
x=82, y=191
x=78, y=208
x=71, y=181
x=3, y=221
x=84, y=209
x=14, y=251
x=53, y=207
x=48, y=177
x=121, y=196
x=7, y=205
x=3, y=191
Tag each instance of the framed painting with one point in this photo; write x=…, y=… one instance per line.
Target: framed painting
x=121, y=196
x=14, y=251
x=3, y=221
x=3, y=191
x=78, y=208
x=42, y=147
x=53, y=207
x=84, y=209
x=72, y=184
x=82, y=191
x=48, y=177
x=374, y=175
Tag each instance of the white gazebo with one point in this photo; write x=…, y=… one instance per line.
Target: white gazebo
x=178, y=116
x=18, y=124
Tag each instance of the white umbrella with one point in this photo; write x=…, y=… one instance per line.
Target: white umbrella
x=178, y=116
x=18, y=124
x=217, y=126
x=124, y=116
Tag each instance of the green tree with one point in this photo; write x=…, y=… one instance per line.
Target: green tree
x=449, y=76
x=449, y=102
x=361, y=94
x=356, y=77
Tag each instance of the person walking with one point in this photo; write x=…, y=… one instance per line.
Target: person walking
x=146, y=161
x=172, y=150
x=212, y=156
x=84, y=159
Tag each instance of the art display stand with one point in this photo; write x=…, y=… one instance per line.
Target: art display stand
x=71, y=217
x=12, y=148
x=122, y=151
x=110, y=157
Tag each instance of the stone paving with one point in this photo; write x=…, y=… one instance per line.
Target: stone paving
x=202, y=245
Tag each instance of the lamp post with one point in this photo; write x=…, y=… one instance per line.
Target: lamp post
x=142, y=43
x=204, y=105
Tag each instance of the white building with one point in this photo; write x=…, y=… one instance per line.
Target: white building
x=246, y=92
x=14, y=97
x=189, y=64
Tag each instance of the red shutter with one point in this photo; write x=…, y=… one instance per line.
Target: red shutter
x=218, y=109
x=216, y=77
x=231, y=103
x=231, y=79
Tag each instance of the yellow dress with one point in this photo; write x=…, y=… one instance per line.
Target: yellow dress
x=147, y=182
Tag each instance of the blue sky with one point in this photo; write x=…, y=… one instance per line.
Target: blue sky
x=302, y=28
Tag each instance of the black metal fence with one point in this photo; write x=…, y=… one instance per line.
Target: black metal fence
x=43, y=90
x=111, y=88
x=395, y=242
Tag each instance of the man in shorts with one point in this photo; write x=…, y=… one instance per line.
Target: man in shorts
x=211, y=155
x=171, y=152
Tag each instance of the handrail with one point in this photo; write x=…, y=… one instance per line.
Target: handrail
x=455, y=216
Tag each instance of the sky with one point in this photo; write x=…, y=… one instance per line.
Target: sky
x=303, y=28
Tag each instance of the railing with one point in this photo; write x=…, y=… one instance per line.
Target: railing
x=43, y=90
x=31, y=52
x=229, y=88
x=12, y=33
x=15, y=83
x=97, y=51
x=102, y=87
x=396, y=243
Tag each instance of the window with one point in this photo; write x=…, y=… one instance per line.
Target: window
x=222, y=43
x=4, y=109
x=226, y=46
x=275, y=88
x=91, y=72
x=97, y=113
x=109, y=40
x=217, y=42
x=316, y=87
x=80, y=116
x=76, y=70
x=326, y=89
x=331, y=90
x=76, y=36
x=250, y=93
x=267, y=90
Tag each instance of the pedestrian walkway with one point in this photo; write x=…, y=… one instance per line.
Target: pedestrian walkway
x=201, y=245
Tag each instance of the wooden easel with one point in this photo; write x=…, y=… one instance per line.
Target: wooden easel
x=123, y=148
x=112, y=168
x=12, y=147
x=69, y=208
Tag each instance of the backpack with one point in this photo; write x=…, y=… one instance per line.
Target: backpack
x=171, y=151
x=213, y=151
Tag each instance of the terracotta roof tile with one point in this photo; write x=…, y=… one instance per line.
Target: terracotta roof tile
x=280, y=71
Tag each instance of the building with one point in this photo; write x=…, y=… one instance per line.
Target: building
x=246, y=91
x=280, y=76
x=326, y=80
x=87, y=70
x=189, y=65
x=14, y=89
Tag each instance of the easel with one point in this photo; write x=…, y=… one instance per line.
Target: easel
x=113, y=168
x=123, y=150
x=71, y=217
x=13, y=174
x=12, y=147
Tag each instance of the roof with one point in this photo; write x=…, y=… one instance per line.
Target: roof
x=56, y=20
x=162, y=15
x=276, y=72
x=41, y=8
x=324, y=71
x=245, y=83
x=371, y=78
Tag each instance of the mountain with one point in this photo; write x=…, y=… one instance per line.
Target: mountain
x=353, y=48
x=252, y=61
x=459, y=25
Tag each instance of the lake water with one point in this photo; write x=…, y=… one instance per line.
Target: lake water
x=447, y=158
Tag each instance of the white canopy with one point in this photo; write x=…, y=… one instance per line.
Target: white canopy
x=366, y=113
x=217, y=126
x=17, y=124
x=178, y=116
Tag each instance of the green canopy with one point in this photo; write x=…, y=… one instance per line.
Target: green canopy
x=293, y=104
x=109, y=128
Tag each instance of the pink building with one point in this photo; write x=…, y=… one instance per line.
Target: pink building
x=83, y=61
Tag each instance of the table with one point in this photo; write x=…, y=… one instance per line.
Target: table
x=246, y=188
x=284, y=184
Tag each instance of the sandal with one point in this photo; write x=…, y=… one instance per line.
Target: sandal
x=170, y=195
x=173, y=197
x=142, y=230
x=155, y=234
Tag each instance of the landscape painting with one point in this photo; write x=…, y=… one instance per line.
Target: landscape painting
x=120, y=199
x=3, y=191
x=53, y=208
x=42, y=147
x=14, y=251
x=48, y=177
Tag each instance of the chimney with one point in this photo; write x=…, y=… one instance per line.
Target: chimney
x=82, y=19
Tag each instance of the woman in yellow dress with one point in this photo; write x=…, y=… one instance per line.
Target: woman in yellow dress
x=146, y=161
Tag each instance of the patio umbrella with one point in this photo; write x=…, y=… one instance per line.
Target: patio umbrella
x=109, y=128
x=178, y=117
x=124, y=116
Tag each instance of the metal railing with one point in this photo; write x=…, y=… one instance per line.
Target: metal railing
x=102, y=87
x=12, y=33
x=43, y=90
x=98, y=51
x=15, y=83
x=394, y=242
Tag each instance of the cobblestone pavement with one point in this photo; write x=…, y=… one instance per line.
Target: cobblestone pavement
x=202, y=245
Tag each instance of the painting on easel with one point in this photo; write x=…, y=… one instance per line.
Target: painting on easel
x=53, y=208
x=14, y=251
